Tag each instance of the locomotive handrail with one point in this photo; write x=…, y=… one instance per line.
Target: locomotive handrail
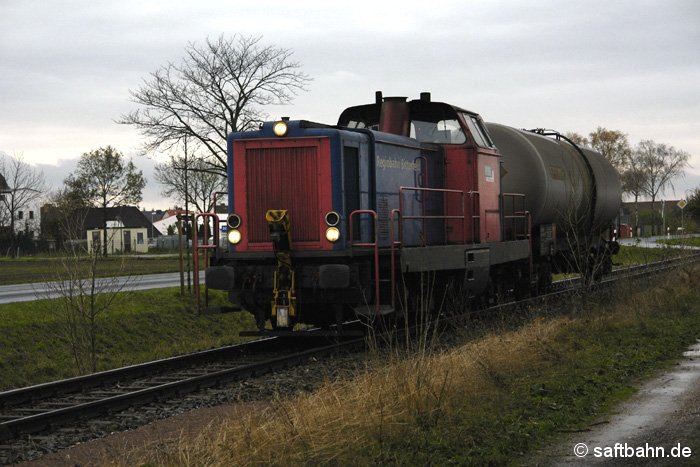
x=395, y=214
x=473, y=197
x=374, y=245
x=476, y=217
x=204, y=246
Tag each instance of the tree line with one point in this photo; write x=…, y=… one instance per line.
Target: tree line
x=647, y=169
x=186, y=110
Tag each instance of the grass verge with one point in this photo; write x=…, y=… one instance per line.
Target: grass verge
x=28, y=270
x=682, y=241
x=491, y=401
x=142, y=326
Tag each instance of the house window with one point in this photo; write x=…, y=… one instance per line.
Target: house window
x=20, y=215
x=31, y=215
x=139, y=238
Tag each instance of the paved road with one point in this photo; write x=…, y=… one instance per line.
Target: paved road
x=39, y=290
x=651, y=242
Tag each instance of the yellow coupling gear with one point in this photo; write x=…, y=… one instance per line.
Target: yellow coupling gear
x=284, y=299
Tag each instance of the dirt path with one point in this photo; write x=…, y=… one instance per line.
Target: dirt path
x=660, y=425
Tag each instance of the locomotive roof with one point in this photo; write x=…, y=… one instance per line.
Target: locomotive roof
x=368, y=114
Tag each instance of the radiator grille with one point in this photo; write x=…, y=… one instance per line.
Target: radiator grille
x=283, y=178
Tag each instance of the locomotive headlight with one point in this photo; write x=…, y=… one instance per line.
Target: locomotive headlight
x=280, y=128
x=234, y=236
x=332, y=234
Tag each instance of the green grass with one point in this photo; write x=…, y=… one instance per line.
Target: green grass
x=141, y=326
x=636, y=255
x=27, y=270
x=685, y=241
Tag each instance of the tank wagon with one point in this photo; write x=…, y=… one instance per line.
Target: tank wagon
x=327, y=222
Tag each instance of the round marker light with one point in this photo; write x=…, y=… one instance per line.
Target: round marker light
x=332, y=234
x=332, y=218
x=234, y=236
x=234, y=221
x=280, y=129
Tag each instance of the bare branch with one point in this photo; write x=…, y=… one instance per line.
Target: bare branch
x=218, y=88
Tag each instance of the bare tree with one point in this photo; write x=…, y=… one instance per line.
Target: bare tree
x=23, y=186
x=79, y=297
x=578, y=138
x=199, y=187
x=104, y=179
x=217, y=88
x=660, y=164
x=613, y=145
x=633, y=182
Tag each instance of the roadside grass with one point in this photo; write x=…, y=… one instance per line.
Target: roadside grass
x=28, y=270
x=492, y=401
x=142, y=326
x=682, y=241
x=637, y=255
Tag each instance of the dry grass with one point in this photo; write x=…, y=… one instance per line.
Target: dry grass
x=330, y=425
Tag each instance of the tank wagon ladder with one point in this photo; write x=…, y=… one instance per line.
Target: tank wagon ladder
x=512, y=219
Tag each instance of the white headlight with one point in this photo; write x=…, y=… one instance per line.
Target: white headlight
x=280, y=129
x=234, y=236
x=332, y=234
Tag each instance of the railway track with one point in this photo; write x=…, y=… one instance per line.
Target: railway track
x=47, y=407
x=50, y=406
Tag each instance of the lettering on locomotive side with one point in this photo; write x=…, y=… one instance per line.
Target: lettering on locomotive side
x=391, y=163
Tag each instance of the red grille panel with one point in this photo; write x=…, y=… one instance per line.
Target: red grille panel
x=283, y=178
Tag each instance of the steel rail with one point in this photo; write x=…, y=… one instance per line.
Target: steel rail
x=34, y=423
x=42, y=421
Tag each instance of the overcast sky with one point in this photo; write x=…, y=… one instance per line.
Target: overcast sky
x=66, y=67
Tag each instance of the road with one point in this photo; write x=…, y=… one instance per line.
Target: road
x=651, y=242
x=40, y=290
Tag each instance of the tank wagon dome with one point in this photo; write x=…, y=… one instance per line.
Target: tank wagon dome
x=562, y=184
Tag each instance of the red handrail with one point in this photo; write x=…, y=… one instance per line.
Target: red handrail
x=204, y=246
x=473, y=197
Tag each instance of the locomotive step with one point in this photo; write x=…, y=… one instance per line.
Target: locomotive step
x=371, y=310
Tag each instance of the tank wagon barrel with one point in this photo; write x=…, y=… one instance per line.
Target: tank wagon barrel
x=561, y=182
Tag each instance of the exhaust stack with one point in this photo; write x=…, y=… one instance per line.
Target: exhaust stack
x=394, y=116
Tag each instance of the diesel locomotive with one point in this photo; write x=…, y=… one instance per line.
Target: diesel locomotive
x=327, y=222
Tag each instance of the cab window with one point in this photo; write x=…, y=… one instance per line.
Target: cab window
x=478, y=131
x=446, y=131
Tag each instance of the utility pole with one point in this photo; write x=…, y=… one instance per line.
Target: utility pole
x=187, y=224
